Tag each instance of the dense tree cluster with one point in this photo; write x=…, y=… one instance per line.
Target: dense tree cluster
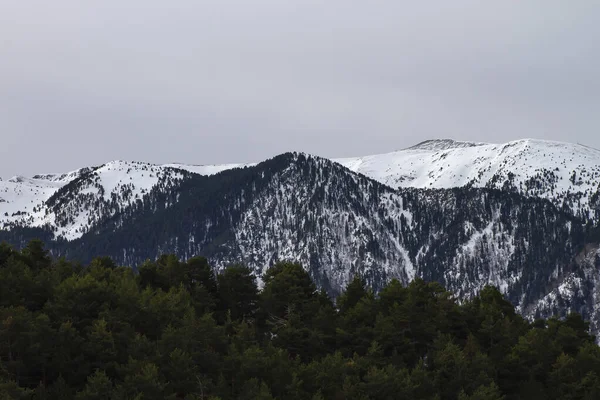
x=174, y=329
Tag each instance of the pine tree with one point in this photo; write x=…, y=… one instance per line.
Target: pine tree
x=98, y=387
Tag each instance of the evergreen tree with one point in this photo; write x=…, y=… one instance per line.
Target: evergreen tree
x=98, y=387
x=238, y=293
x=174, y=330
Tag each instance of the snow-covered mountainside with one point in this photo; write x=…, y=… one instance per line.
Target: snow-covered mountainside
x=566, y=174
x=563, y=173
x=72, y=203
x=336, y=222
x=22, y=199
x=576, y=289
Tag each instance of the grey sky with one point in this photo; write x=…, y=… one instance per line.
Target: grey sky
x=216, y=81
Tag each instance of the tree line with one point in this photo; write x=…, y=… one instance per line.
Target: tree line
x=174, y=329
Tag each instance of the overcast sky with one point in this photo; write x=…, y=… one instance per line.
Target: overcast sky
x=203, y=81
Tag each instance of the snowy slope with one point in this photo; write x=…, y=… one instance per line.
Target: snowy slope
x=73, y=202
x=25, y=201
x=561, y=172
x=99, y=194
x=20, y=197
x=552, y=170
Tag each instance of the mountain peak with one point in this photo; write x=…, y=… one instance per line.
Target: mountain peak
x=17, y=179
x=564, y=173
x=443, y=144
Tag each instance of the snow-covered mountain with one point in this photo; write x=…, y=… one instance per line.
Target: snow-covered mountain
x=337, y=222
x=566, y=174
x=560, y=172
x=20, y=195
x=72, y=203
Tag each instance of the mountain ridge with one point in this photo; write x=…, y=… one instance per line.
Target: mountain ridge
x=338, y=223
x=566, y=174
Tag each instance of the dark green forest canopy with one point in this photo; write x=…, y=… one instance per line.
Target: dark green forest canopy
x=174, y=329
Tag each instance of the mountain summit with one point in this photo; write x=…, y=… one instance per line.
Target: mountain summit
x=443, y=144
x=566, y=174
